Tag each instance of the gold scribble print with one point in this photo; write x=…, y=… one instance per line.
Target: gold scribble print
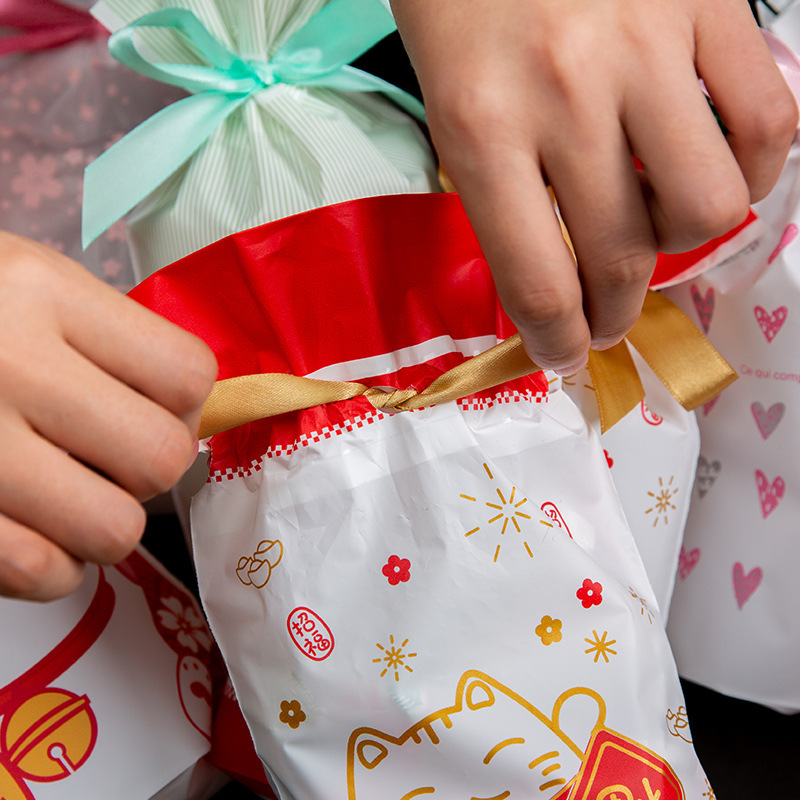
x=506, y=513
x=600, y=647
x=710, y=793
x=645, y=609
x=394, y=658
x=662, y=501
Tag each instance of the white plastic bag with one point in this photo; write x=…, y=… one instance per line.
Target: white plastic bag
x=447, y=600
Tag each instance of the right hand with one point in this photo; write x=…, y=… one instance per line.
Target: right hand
x=520, y=93
x=99, y=406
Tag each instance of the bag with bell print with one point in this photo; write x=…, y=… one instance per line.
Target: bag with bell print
x=733, y=622
x=444, y=600
x=108, y=692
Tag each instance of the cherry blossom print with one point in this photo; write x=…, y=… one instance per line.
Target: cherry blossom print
x=116, y=233
x=87, y=112
x=52, y=244
x=590, y=594
x=397, y=569
x=35, y=105
x=36, y=180
x=74, y=156
x=111, y=268
x=191, y=630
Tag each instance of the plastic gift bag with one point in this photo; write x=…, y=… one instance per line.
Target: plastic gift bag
x=652, y=455
x=108, y=692
x=734, y=616
x=277, y=123
x=652, y=451
x=63, y=101
x=399, y=610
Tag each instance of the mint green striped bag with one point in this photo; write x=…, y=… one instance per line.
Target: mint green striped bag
x=276, y=122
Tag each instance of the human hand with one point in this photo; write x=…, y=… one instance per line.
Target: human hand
x=524, y=92
x=99, y=404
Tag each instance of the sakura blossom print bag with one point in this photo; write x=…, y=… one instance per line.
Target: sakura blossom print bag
x=63, y=101
x=445, y=601
x=108, y=692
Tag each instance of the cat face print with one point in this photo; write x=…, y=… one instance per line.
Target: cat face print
x=491, y=744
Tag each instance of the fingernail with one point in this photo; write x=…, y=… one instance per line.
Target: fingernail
x=567, y=372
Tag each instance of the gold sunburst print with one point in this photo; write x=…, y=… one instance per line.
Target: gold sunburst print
x=506, y=513
x=662, y=501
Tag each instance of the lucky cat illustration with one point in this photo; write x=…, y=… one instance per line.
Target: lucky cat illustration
x=492, y=744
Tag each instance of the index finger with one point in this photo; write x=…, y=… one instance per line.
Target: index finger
x=510, y=208
x=158, y=359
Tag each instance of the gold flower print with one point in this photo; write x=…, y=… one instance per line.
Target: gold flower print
x=292, y=713
x=549, y=630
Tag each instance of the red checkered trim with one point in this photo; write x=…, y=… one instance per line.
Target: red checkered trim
x=305, y=439
x=509, y=396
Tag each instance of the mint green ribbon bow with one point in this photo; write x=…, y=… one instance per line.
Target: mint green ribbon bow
x=316, y=55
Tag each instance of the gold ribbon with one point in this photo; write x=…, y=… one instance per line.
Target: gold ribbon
x=678, y=353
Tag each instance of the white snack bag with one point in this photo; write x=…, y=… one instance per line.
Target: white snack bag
x=442, y=601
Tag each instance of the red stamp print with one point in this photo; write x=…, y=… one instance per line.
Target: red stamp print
x=311, y=635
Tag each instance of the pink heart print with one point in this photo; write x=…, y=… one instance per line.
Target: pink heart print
x=771, y=324
x=704, y=306
x=788, y=237
x=767, y=420
x=745, y=585
x=769, y=495
x=687, y=561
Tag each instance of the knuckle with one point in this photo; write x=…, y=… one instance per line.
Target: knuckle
x=774, y=123
x=625, y=267
x=542, y=307
x=23, y=575
x=715, y=211
x=118, y=533
x=172, y=448
x=200, y=372
x=468, y=116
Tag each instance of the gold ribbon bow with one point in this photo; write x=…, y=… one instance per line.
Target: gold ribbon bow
x=684, y=360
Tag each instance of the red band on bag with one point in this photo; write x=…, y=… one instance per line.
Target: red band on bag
x=397, y=280
x=678, y=267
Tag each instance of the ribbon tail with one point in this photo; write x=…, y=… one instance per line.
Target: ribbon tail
x=338, y=33
x=616, y=382
x=127, y=172
x=684, y=360
x=350, y=79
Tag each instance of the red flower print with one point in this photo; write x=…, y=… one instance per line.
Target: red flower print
x=397, y=569
x=590, y=594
